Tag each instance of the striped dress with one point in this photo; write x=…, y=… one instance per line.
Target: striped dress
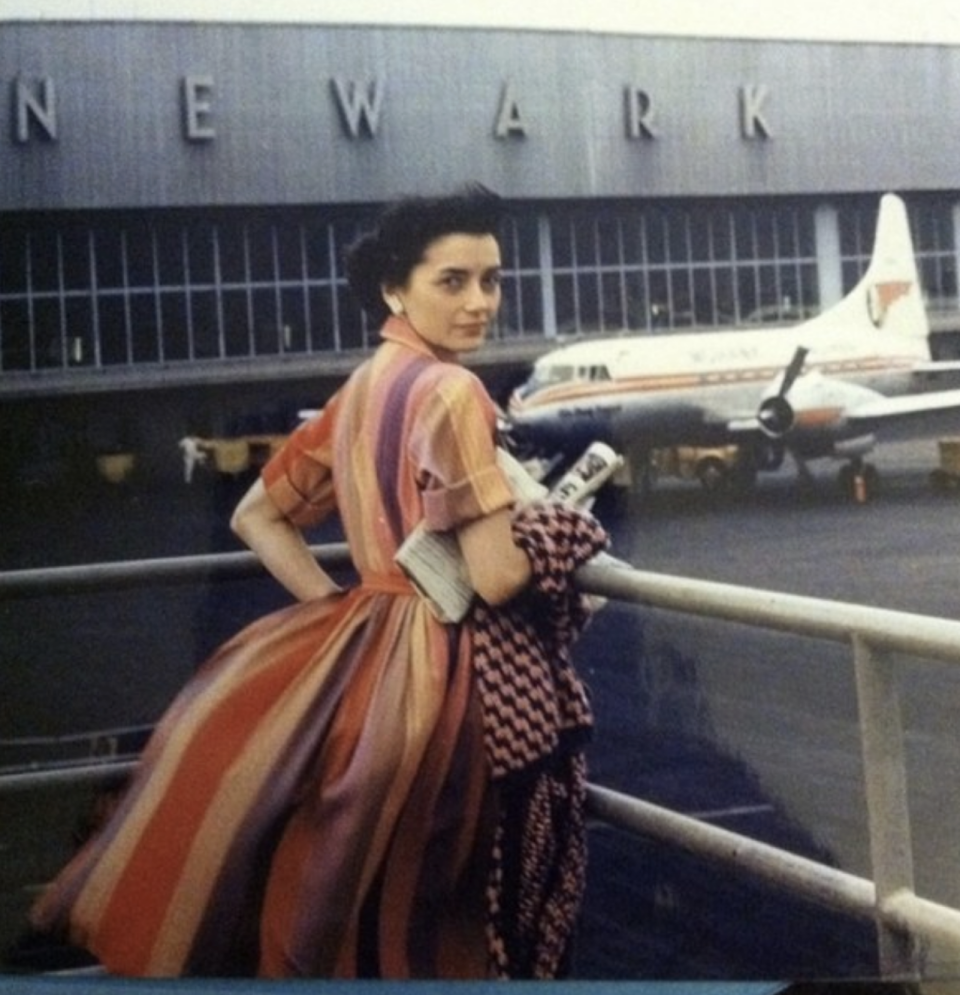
x=316, y=801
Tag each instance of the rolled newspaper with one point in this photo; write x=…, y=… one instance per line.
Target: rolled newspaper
x=592, y=470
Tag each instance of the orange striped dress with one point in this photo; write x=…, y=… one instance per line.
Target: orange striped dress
x=316, y=801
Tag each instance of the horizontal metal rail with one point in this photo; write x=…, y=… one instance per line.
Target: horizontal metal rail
x=815, y=881
x=809, y=879
x=896, y=631
x=95, y=772
x=44, y=581
x=907, y=925
x=918, y=635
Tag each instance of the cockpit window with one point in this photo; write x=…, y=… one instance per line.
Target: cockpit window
x=545, y=376
x=549, y=375
x=597, y=372
x=554, y=373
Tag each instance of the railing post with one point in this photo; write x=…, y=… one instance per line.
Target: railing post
x=888, y=815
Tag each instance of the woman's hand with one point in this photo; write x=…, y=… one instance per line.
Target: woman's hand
x=259, y=523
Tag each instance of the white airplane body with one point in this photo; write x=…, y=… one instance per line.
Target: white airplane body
x=823, y=388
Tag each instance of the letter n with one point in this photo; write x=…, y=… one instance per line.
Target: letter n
x=31, y=107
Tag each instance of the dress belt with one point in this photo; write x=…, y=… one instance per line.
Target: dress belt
x=392, y=583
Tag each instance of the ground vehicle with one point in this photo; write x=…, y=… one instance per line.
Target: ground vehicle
x=715, y=466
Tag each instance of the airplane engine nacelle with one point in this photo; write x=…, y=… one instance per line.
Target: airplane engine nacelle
x=812, y=403
x=854, y=448
x=776, y=416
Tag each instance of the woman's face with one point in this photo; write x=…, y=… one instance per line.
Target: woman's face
x=453, y=293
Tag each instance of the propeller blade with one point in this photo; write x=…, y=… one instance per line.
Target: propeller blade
x=793, y=370
x=776, y=415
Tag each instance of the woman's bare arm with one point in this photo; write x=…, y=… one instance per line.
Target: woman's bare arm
x=280, y=545
x=498, y=568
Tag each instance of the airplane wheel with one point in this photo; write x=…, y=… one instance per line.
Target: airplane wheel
x=641, y=473
x=743, y=478
x=859, y=482
x=713, y=475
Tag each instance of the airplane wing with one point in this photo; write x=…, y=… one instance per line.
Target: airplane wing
x=935, y=368
x=908, y=416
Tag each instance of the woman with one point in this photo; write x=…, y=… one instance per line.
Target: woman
x=328, y=797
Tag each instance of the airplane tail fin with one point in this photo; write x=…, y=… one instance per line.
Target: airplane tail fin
x=889, y=293
x=888, y=297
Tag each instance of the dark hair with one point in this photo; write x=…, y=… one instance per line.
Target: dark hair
x=387, y=254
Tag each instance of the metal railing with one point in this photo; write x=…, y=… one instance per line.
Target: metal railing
x=907, y=925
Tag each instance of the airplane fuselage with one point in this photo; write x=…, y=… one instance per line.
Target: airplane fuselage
x=688, y=388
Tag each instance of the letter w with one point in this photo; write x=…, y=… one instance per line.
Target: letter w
x=359, y=106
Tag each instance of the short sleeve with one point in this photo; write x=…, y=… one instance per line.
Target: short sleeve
x=299, y=478
x=453, y=445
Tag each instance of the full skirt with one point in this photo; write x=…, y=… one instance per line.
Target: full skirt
x=315, y=803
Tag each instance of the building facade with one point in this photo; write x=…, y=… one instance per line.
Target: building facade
x=177, y=197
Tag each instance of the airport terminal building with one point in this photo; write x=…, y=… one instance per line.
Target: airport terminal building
x=176, y=197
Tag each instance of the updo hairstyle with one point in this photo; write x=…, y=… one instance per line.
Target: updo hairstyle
x=386, y=255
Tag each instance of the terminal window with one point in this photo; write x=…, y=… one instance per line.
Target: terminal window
x=113, y=290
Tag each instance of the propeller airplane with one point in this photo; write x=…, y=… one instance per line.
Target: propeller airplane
x=825, y=388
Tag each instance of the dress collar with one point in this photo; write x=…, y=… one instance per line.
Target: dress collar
x=399, y=330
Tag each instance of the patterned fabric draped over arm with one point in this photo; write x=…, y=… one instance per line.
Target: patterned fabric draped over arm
x=537, y=719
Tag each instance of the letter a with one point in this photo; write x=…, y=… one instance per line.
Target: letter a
x=509, y=119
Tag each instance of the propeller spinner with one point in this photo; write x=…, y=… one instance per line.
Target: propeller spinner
x=776, y=415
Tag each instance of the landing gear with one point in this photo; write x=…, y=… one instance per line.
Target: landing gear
x=727, y=471
x=713, y=474
x=859, y=481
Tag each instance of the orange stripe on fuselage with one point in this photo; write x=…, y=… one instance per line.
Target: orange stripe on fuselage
x=576, y=390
